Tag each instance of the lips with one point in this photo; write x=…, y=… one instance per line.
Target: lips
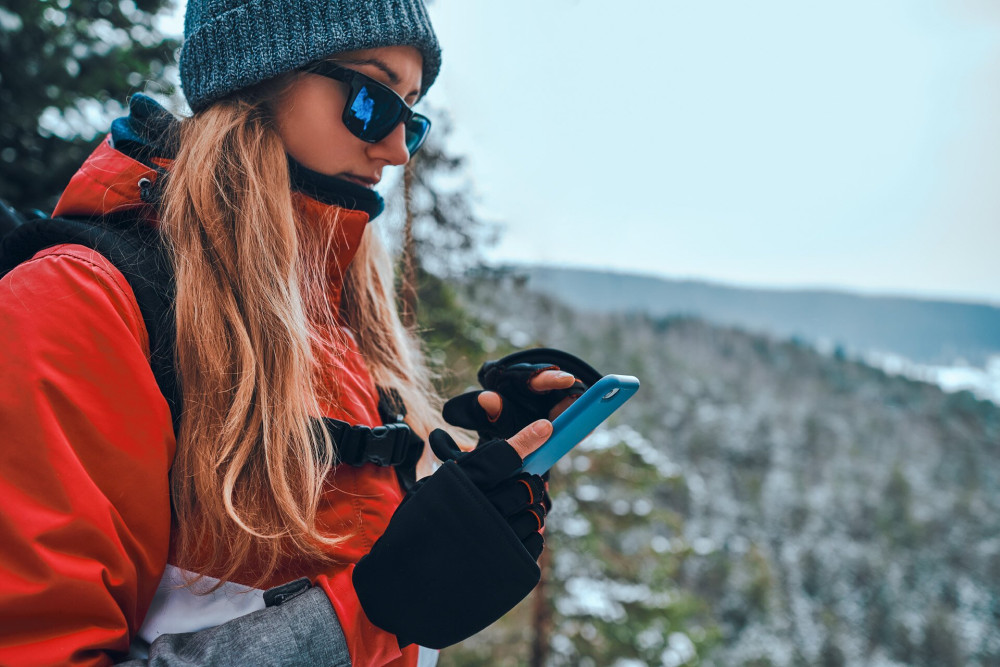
x=361, y=180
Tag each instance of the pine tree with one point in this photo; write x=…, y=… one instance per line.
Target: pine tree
x=442, y=237
x=66, y=68
x=447, y=236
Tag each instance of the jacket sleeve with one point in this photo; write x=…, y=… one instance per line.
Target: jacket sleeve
x=86, y=443
x=302, y=631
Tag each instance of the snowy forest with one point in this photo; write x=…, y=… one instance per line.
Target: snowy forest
x=757, y=503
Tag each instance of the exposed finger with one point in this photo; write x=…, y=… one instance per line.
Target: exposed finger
x=492, y=403
x=549, y=380
x=531, y=437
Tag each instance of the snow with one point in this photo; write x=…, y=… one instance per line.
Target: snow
x=680, y=650
x=606, y=438
x=983, y=382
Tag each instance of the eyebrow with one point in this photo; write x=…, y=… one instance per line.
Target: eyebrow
x=388, y=71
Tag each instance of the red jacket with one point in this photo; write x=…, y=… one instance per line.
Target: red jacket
x=86, y=445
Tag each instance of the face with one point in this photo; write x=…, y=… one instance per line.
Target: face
x=309, y=116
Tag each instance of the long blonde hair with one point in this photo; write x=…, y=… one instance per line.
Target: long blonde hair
x=253, y=318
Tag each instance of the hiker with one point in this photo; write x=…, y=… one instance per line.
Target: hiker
x=216, y=433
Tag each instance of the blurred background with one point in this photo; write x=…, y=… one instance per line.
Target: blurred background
x=781, y=216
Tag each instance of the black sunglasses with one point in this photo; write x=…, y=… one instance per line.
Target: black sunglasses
x=373, y=110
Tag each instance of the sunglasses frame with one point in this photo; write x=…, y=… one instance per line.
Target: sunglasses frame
x=356, y=81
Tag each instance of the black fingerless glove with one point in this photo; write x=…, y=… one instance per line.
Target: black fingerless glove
x=509, y=497
x=460, y=550
x=522, y=405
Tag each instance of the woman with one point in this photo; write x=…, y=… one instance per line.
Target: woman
x=139, y=524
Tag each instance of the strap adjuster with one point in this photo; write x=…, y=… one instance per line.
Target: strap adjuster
x=386, y=445
x=275, y=597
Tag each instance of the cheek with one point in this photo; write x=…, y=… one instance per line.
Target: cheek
x=310, y=126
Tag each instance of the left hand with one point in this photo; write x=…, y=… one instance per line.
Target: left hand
x=543, y=382
x=519, y=389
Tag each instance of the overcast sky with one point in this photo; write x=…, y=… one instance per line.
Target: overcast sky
x=850, y=144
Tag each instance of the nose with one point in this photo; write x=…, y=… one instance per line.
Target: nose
x=392, y=149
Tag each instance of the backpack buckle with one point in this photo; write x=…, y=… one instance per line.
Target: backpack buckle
x=386, y=445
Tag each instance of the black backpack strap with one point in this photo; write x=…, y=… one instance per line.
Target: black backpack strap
x=387, y=445
x=391, y=408
x=135, y=249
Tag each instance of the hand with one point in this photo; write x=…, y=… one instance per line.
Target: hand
x=519, y=389
x=543, y=382
x=522, y=499
x=460, y=550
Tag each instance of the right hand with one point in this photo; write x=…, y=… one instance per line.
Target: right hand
x=522, y=499
x=531, y=437
x=460, y=550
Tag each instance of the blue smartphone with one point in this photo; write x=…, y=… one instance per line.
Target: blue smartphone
x=580, y=418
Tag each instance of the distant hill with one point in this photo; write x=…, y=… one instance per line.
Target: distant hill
x=925, y=331
x=757, y=503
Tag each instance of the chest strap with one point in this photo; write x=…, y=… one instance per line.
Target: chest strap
x=389, y=445
x=137, y=251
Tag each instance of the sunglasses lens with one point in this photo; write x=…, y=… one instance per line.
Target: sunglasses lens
x=372, y=113
x=416, y=131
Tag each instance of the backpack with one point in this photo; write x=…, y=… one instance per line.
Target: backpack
x=136, y=250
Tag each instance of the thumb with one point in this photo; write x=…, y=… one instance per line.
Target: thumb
x=492, y=403
x=531, y=437
x=443, y=445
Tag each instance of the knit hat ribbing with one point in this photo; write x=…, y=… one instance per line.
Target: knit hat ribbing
x=232, y=44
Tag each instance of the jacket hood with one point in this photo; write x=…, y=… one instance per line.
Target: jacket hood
x=126, y=163
x=122, y=173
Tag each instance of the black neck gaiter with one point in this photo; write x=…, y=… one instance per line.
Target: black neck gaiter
x=334, y=191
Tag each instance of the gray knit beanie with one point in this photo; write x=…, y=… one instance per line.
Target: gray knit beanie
x=232, y=44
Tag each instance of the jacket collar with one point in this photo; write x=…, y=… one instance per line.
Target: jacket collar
x=146, y=136
x=139, y=151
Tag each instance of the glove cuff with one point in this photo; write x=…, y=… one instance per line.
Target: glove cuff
x=465, y=567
